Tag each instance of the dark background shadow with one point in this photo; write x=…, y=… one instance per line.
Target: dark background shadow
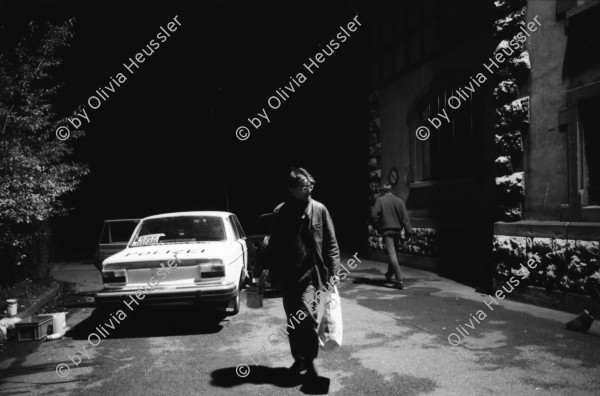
x=164, y=141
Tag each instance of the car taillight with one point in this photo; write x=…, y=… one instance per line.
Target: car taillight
x=212, y=269
x=116, y=276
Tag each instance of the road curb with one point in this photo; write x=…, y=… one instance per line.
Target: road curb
x=46, y=297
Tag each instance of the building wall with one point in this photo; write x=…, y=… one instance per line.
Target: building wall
x=552, y=237
x=520, y=202
x=440, y=43
x=546, y=165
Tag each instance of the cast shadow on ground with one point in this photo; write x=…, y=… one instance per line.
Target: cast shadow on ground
x=228, y=378
x=149, y=322
x=380, y=282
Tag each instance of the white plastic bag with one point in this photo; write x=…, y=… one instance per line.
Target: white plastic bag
x=330, y=326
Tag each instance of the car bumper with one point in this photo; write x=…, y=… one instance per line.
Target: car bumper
x=195, y=295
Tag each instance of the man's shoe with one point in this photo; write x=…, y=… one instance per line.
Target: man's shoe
x=398, y=285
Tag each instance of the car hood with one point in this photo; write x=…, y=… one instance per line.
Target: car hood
x=208, y=250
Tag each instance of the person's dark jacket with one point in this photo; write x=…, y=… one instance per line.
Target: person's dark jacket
x=327, y=253
x=389, y=214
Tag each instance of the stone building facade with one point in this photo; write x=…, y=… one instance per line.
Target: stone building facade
x=505, y=169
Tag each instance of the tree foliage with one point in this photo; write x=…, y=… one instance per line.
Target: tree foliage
x=35, y=172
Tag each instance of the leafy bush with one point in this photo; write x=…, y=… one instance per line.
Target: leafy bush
x=34, y=169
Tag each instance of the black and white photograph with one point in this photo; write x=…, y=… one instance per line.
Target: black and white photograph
x=317, y=197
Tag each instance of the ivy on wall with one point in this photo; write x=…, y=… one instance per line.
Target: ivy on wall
x=374, y=149
x=423, y=242
x=561, y=264
x=374, y=165
x=511, y=120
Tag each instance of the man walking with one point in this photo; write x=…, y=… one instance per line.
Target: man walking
x=302, y=255
x=390, y=215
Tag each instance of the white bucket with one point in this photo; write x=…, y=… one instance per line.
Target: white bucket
x=11, y=310
x=59, y=323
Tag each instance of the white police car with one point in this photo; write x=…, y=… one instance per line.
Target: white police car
x=189, y=258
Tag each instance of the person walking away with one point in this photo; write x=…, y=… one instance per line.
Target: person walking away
x=390, y=216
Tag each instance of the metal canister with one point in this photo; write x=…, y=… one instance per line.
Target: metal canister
x=11, y=309
x=254, y=295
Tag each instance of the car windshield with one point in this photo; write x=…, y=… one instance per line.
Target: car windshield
x=180, y=229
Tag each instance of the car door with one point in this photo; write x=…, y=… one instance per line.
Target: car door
x=114, y=237
x=241, y=239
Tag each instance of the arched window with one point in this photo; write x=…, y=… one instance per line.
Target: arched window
x=589, y=138
x=450, y=151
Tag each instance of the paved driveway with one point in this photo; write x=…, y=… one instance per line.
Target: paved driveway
x=395, y=343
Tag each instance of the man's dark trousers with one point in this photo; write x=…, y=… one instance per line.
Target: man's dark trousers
x=391, y=240
x=304, y=341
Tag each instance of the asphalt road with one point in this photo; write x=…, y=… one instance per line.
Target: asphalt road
x=395, y=343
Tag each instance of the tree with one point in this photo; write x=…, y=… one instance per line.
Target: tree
x=34, y=169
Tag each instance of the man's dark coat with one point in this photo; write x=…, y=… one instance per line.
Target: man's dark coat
x=325, y=246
